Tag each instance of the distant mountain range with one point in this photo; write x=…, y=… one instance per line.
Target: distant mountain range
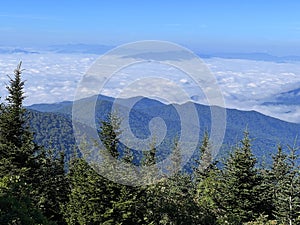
x=101, y=49
x=256, y=56
x=52, y=124
x=12, y=50
x=291, y=97
x=80, y=48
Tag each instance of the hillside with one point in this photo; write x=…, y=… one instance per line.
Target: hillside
x=52, y=124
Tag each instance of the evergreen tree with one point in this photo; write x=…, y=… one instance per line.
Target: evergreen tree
x=286, y=186
x=17, y=155
x=207, y=182
x=265, y=194
x=40, y=178
x=279, y=171
x=175, y=158
x=96, y=200
x=149, y=167
x=16, y=141
x=93, y=199
x=205, y=153
x=87, y=199
x=15, y=122
x=109, y=134
x=126, y=207
x=149, y=156
x=204, y=162
x=16, y=208
x=169, y=200
x=51, y=191
x=240, y=183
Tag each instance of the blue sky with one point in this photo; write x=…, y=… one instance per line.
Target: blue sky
x=209, y=26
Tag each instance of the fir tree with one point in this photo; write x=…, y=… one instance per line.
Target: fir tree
x=240, y=183
x=16, y=141
x=15, y=121
x=87, y=199
x=207, y=182
x=176, y=158
x=93, y=199
x=52, y=189
x=109, y=134
x=16, y=208
x=286, y=181
x=204, y=164
x=18, y=152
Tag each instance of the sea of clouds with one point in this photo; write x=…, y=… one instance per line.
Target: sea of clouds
x=245, y=84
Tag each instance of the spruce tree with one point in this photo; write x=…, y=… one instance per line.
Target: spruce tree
x=176, y=159
x=17, y=154
x=286, y=186
x=16, y=141
x=87, y=199
x=15, y=121
x=240, y=183
x=51, y=191
x=265, y=193
x=16, y=208
x=94, y=199
x=17, y=148
x=204, y=163
x=39, y=178
x=278, y=173
x=207, y=182
x=170, y=199
x=109, y=134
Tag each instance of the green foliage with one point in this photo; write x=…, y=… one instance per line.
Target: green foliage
x=174, y=200
x=87, y=202
x=263, y=220
x=109, y=134
x=207, y=196
x=34, y=197
x=16, y=207
x=286, y=186
x=52, y=187
x=16, y=142
x=13, y=119
x=267, y=130
x=240, y=184
x=52, y=131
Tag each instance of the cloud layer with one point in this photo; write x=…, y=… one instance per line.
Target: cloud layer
x=248, y=84
x=245, y=84
x=49, y=77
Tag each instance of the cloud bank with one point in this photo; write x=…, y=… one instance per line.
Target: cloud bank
x=245, y=84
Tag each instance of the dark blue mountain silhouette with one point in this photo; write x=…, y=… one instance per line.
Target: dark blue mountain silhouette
x=266, y=132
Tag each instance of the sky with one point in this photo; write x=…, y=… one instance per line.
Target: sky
x=268, y=26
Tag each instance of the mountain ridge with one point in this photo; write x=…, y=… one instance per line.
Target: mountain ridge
x=267, y=132
x=99, y=49
x=58, y=106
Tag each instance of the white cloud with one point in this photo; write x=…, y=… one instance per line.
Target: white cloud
x=245, y=84
x=185, y=81
x=49, y=77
